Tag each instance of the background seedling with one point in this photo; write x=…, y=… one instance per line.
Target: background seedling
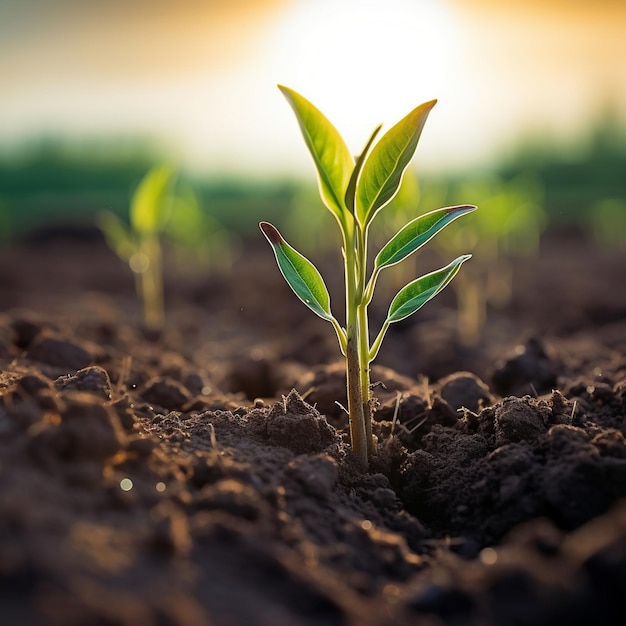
x=139, y=245
x=197, y=241
x=508, y=225
x=355, y=191
x=607, y=221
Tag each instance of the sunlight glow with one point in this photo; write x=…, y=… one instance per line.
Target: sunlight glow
x=200, y=78
x=361, y=60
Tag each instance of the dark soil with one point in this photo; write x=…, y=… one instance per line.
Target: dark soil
x=175, y=478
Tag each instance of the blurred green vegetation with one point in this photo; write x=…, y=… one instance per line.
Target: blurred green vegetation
x=52, y=181
x=576, y=176
x=139, y=244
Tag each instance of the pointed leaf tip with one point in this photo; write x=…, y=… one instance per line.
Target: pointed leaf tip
x=418, y=292
x=384, y=167
x=418, y=232
x=301, y=275
x=462, y=208
x=332, y=159
x=271, y=232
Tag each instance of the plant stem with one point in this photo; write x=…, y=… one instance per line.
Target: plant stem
x=357, y=353
x=358, y=430
x=378, y=341
x=364, y=338
x=364, y=367
x=152, y=285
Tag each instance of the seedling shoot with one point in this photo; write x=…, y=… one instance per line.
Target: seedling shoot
x=355, y=191
x=139, y=245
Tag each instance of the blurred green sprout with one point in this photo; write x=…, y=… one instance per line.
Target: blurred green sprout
x=195, y=238
x=355, y=191
x=139, y=243
x=607, y=221
x=508, y=225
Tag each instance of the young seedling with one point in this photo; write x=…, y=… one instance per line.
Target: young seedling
x=509, y=225
x=197, y=241
x=139, y=244
x=354, y=191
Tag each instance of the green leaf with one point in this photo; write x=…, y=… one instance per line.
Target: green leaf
x=117, y=235
x=151, y=202
x=417, y=293
x=383, y=169
x=351, y=190
x=332, y=158
x=191, y=226
x=301, y=275
x=416, y=233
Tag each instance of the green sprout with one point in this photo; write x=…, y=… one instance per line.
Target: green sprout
x=354, y=191
x=607, y=220
x=139, y=244
x=196, y=240
x=509, y=225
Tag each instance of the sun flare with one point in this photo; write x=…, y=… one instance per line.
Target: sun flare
x=363, y=60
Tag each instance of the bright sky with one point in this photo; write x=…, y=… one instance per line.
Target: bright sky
x=203, y=74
